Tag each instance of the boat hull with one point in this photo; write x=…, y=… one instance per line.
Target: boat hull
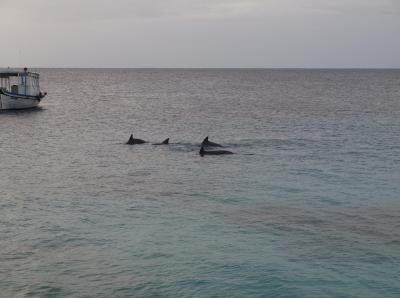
x=15, y=103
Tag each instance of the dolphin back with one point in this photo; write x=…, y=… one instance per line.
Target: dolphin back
x=208, y=143
x=133, y=141
x=203, y=152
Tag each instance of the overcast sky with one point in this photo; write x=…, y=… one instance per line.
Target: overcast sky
x=200, y=33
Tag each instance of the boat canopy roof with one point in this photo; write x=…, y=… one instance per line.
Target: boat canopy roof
x=16, y=73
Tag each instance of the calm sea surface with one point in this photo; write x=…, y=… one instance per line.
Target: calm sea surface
x=309, y=206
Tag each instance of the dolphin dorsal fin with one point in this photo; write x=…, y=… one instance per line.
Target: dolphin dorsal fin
x=205, y=140
x=166, y=141
x=130, y=141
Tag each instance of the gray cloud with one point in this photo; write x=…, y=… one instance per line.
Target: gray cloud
x=93, y=10
x=201, y=33
x=81, y=10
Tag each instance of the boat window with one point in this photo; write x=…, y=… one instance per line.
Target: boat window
x=5, y=83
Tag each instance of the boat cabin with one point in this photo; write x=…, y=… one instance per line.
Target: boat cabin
x=20, y=82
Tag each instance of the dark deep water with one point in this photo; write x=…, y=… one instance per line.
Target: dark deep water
x=308, y=207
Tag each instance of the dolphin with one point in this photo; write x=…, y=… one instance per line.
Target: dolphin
x=133, y=141
x=165, y=142
x=208, y=143
x=203, y=152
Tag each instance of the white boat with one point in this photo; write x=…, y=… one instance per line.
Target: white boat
x=19, y=89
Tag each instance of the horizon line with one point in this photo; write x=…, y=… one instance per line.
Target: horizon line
x=199, y=68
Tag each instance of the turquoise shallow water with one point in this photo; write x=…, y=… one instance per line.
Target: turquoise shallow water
x=307, y=207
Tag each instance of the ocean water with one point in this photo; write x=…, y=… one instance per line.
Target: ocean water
x=309, y=206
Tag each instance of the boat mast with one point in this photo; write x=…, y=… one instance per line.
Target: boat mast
x=25, y=77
